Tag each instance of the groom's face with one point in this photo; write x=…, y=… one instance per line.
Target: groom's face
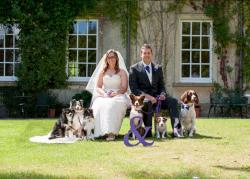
x=146, y=55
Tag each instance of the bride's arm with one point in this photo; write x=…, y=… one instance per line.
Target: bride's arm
x=99, y=89
x=124, y=84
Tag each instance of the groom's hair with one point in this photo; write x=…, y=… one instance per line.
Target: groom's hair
x=148, y=46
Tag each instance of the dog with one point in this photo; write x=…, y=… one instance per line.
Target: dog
x=136, y=111
x=78, y=119
x=62, y=124
x=161, y=127
x=89, y=124
x=188, y=116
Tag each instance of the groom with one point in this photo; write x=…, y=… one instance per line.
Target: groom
x=146, y=78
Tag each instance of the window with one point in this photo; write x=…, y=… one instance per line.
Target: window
x=196, y=51
x=82, y=49
x=9, y=51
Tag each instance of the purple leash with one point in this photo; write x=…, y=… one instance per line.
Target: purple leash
x=157, y=109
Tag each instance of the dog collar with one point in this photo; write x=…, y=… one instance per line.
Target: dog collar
x=185, y=106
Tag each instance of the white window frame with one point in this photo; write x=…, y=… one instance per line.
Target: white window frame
x=16, y=33
x=196, y=79
x=84, y=79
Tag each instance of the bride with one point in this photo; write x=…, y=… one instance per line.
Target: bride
x=109, y=84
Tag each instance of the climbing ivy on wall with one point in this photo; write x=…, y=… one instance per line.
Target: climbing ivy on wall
x=43, y=38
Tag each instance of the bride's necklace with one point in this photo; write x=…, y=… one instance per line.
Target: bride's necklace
x=110, y=72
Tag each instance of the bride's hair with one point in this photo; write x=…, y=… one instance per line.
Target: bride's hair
x=117, y=69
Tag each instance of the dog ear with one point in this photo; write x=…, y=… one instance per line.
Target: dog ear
x=165, y=119
x=184, y=97
x=132, y=96
x=157, y=119
x=142, y=97
x=81, y=102
x=197, y=98
x=72, y=103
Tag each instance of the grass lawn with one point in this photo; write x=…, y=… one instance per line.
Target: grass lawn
x=221, y=149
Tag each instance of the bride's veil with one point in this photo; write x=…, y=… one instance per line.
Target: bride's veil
x=91, y=86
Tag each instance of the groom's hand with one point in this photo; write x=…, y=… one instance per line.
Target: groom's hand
x=150, y=98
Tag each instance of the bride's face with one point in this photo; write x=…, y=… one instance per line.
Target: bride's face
x=111, y=59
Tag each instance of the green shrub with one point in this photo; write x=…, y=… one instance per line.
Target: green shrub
x=85, y=96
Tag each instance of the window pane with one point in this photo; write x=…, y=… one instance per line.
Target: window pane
x=16, y=41
x=8, y=69
x=9, y=41
x=205, y=28
x=17, y=56
x=82, y=27
x=82, y=70
x=72, y=69
x=72, y=41
x=16, y=67
x=9, y=55
x=1, y=69
x=73, y=28
x=72, y=55
x=92, y=56
x=205, y=71
x=91, y=69
x=185, y=57
x=1, y=41
x=205, y=43
x=196, y=42
x=185, y=70
x=195, y=56
x=82, y=56
x=92, y=27
x=204, y=57
x=186, y=28
x=1, y=55
x=82, y=41
x=92, y=42
x=195, y=71
x=196, y=28
x=185, y=42
x=8, y=29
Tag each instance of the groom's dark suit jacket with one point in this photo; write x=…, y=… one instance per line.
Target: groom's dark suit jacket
x=139, y=82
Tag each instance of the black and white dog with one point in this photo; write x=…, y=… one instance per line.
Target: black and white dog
x=188, y=115
x=78, y=120
x=89, y=124
x=62, y=124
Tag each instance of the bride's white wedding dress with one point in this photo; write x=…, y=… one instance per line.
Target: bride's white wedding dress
x=109, y=112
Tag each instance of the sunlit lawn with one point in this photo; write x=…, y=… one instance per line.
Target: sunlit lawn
x=221, y=149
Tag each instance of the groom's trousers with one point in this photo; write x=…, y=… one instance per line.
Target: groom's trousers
x=169, y=103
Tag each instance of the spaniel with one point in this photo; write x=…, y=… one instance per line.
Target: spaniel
x=188, y=116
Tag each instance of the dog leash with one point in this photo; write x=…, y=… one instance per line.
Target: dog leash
x=157, y=108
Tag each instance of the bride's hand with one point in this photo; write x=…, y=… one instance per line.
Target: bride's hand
x=112, y=94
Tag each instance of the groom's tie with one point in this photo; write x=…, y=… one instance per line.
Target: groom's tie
x=147, y=68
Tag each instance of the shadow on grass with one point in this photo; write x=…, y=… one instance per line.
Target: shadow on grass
x=130, y=174
x=243, y=169
x=180, y=175
x=27, y=175
x=169, y=137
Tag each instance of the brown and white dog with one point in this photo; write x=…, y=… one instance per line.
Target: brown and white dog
x=161, y=127
x=136, y=111
x=188, y=116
